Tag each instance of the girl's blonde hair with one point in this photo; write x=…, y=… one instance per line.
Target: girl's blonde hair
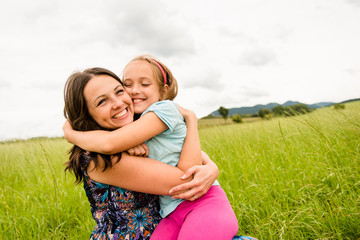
x=159, y=77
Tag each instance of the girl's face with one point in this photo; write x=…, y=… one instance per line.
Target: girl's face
x=108, y=102
x=141, y=85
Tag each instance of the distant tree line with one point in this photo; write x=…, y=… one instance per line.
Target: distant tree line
x=292, y=110
x=286, y=111
x=276, y=111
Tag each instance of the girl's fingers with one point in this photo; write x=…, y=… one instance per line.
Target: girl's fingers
x=140, y=150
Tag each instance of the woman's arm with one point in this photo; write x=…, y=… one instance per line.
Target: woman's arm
x=112, y=142
x=154, y=177
x=138, y=174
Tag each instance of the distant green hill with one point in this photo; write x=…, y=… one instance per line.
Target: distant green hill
x=256, y=108
x=351, y=100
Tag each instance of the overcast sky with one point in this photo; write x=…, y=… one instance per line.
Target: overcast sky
x=230, y=53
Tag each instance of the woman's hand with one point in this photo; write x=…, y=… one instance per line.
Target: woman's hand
x=203, y=178
x=141, y=150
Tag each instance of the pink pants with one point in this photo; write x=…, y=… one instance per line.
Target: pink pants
x=210, y=217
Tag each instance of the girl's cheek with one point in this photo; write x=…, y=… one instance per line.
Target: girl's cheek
x=138, y=110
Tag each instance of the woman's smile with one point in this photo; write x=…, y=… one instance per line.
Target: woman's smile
x=108, y=102
x=121, y=114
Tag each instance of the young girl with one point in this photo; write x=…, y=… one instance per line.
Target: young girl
x=151, y=86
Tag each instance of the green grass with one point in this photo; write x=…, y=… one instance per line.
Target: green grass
x=292, y=178
x=37, y=200
x=219, y=121
x=286, y=178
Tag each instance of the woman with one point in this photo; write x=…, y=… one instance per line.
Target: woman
x=118, y=210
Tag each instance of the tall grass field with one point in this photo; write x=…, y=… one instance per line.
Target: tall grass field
x=286, y=178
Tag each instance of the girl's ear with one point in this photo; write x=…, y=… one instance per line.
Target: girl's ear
x=164, y=92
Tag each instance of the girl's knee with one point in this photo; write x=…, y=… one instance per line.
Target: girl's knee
x=166, y=230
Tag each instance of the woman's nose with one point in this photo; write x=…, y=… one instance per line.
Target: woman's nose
x=117, y=102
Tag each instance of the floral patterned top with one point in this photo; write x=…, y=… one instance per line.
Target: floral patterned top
x=120, y=213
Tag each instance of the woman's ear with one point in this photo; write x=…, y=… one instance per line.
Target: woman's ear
x=164, y=92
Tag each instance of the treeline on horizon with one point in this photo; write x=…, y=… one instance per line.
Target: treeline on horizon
x=277, y=111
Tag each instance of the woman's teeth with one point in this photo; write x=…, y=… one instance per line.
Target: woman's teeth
x=120, y=114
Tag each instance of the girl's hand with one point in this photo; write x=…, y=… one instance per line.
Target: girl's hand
x=140, y=150
x=187, y=114
x=67, y=128
x=204, y=177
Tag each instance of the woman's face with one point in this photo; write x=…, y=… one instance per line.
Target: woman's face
x=108, y=103
x=139, y=82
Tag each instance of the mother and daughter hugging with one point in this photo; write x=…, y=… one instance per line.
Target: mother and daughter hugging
x=138, y=155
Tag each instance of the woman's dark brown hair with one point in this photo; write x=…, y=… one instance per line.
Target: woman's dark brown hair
x=76, y=111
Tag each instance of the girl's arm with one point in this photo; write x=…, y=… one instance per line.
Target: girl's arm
x=190, y=161
x=112, y=142
x=138, y=174
x=191, y=151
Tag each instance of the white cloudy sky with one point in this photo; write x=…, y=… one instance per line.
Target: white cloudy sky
x=230, y=53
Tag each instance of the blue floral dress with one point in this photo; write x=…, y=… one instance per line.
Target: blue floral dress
x=120, y=213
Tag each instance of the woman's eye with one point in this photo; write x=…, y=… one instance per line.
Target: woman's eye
x=119, y=91
x=101, y=102
x=145, y=84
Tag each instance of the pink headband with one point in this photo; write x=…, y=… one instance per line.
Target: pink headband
x=161, y=69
